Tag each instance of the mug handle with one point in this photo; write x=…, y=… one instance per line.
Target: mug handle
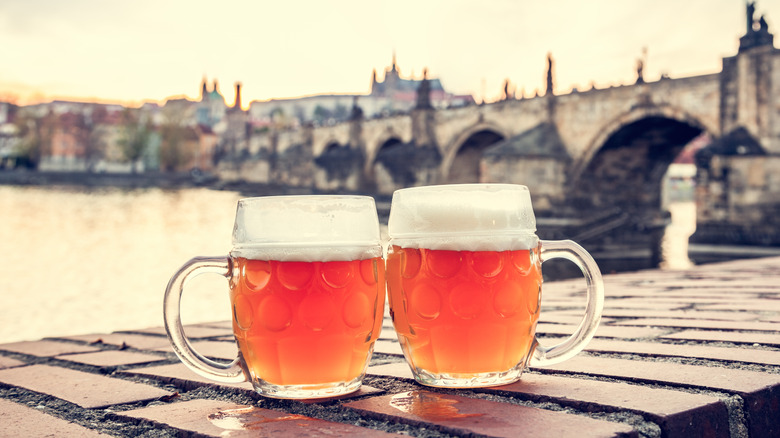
x=575, y=343
x=221, y=372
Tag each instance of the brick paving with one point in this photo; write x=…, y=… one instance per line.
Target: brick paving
x=691, y=353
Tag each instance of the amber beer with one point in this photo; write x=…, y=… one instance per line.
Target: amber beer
x=307, y=293
x=306, y=323
x=464, y=313
x=464, y=281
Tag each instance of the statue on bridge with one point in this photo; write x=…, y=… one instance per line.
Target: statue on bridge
x=757, y=32
x=424, y=92
x=751, y=11
x=549, y=90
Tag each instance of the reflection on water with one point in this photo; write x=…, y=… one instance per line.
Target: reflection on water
x=75, y=262
x=674, y=246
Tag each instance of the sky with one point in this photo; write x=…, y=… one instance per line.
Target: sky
x=132, y=52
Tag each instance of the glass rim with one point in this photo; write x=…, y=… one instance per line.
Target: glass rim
x=323, y=197
x=463, y=186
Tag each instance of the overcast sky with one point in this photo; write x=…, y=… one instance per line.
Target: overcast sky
x=149, y=50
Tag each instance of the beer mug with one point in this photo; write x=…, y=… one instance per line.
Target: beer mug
x=307, y=290
x=464, y=284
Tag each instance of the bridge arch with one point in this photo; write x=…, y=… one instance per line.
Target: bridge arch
x=461, y=158
x=634, y=115
x=382, y=172
x=624, y=165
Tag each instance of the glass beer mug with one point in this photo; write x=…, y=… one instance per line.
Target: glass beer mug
x=464, y=283
x=307, y=289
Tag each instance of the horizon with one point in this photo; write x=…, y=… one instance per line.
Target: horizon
x=157, y=53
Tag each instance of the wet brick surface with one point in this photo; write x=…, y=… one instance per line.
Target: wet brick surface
x=20, y=420
x=679, y=354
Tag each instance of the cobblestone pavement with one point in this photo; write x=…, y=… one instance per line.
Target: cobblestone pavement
x=679, y=354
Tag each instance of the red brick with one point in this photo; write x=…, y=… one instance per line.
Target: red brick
x=399, y=370
x=140, y=342
x=178, y=374
x=603, y=331
x=556, y=317
x=7, y=362
x=643, y=303
x=701, y=323
x=757, y=305
x=192, y=331
x=760, y=391
x=746, y=355
x=677, y=413
x=717, y=378
x=226, y=326
x=46, y=348
x=227, y=350
x=680, y=314
x=388, y=347
x=112, y=358
x=388, y=333
x=718, y=336
x=21, y=420
x=217, y=418
x=461, y=415
x=84, y=389
x=689, y=414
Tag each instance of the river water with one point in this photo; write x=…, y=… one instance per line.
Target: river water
x=75, y=262
x=79, y=262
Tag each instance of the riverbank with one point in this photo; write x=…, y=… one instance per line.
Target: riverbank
x=162, y=180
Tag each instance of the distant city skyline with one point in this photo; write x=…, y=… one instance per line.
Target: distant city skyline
x=136, y=52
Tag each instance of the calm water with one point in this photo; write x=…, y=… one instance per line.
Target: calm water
x=74, y=262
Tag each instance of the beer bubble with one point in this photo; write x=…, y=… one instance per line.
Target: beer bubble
x=295, y=275
x=336, y=274
x=466, y=301
x=410, y=262
x=425, y=301
x=444, y=264
x=317, y=310
x=257, y=274
x=274, y=313
x=356, y=310
x=242, y=312
x=487, y=264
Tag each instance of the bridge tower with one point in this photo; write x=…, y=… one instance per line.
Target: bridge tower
x=738, y=178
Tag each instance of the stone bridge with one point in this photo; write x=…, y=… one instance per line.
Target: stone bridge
x=595, y=156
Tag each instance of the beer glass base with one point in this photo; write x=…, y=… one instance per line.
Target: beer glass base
x=323, y=390
x=467, y=380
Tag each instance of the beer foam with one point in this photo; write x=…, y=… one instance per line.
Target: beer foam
x=306, y=228
x=469, y=217
x=325, y=253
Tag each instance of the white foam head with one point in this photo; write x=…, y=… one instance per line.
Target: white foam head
x=468, y=217
x=307, y=228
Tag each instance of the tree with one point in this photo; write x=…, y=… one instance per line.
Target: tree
x=321, y=114
x=35, y=134
x=134, y=138
x=175, y=152
x=93, y=136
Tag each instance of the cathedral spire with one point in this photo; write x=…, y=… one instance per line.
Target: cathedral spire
x=549, y=89
x=204, y=89
x=237, y=105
